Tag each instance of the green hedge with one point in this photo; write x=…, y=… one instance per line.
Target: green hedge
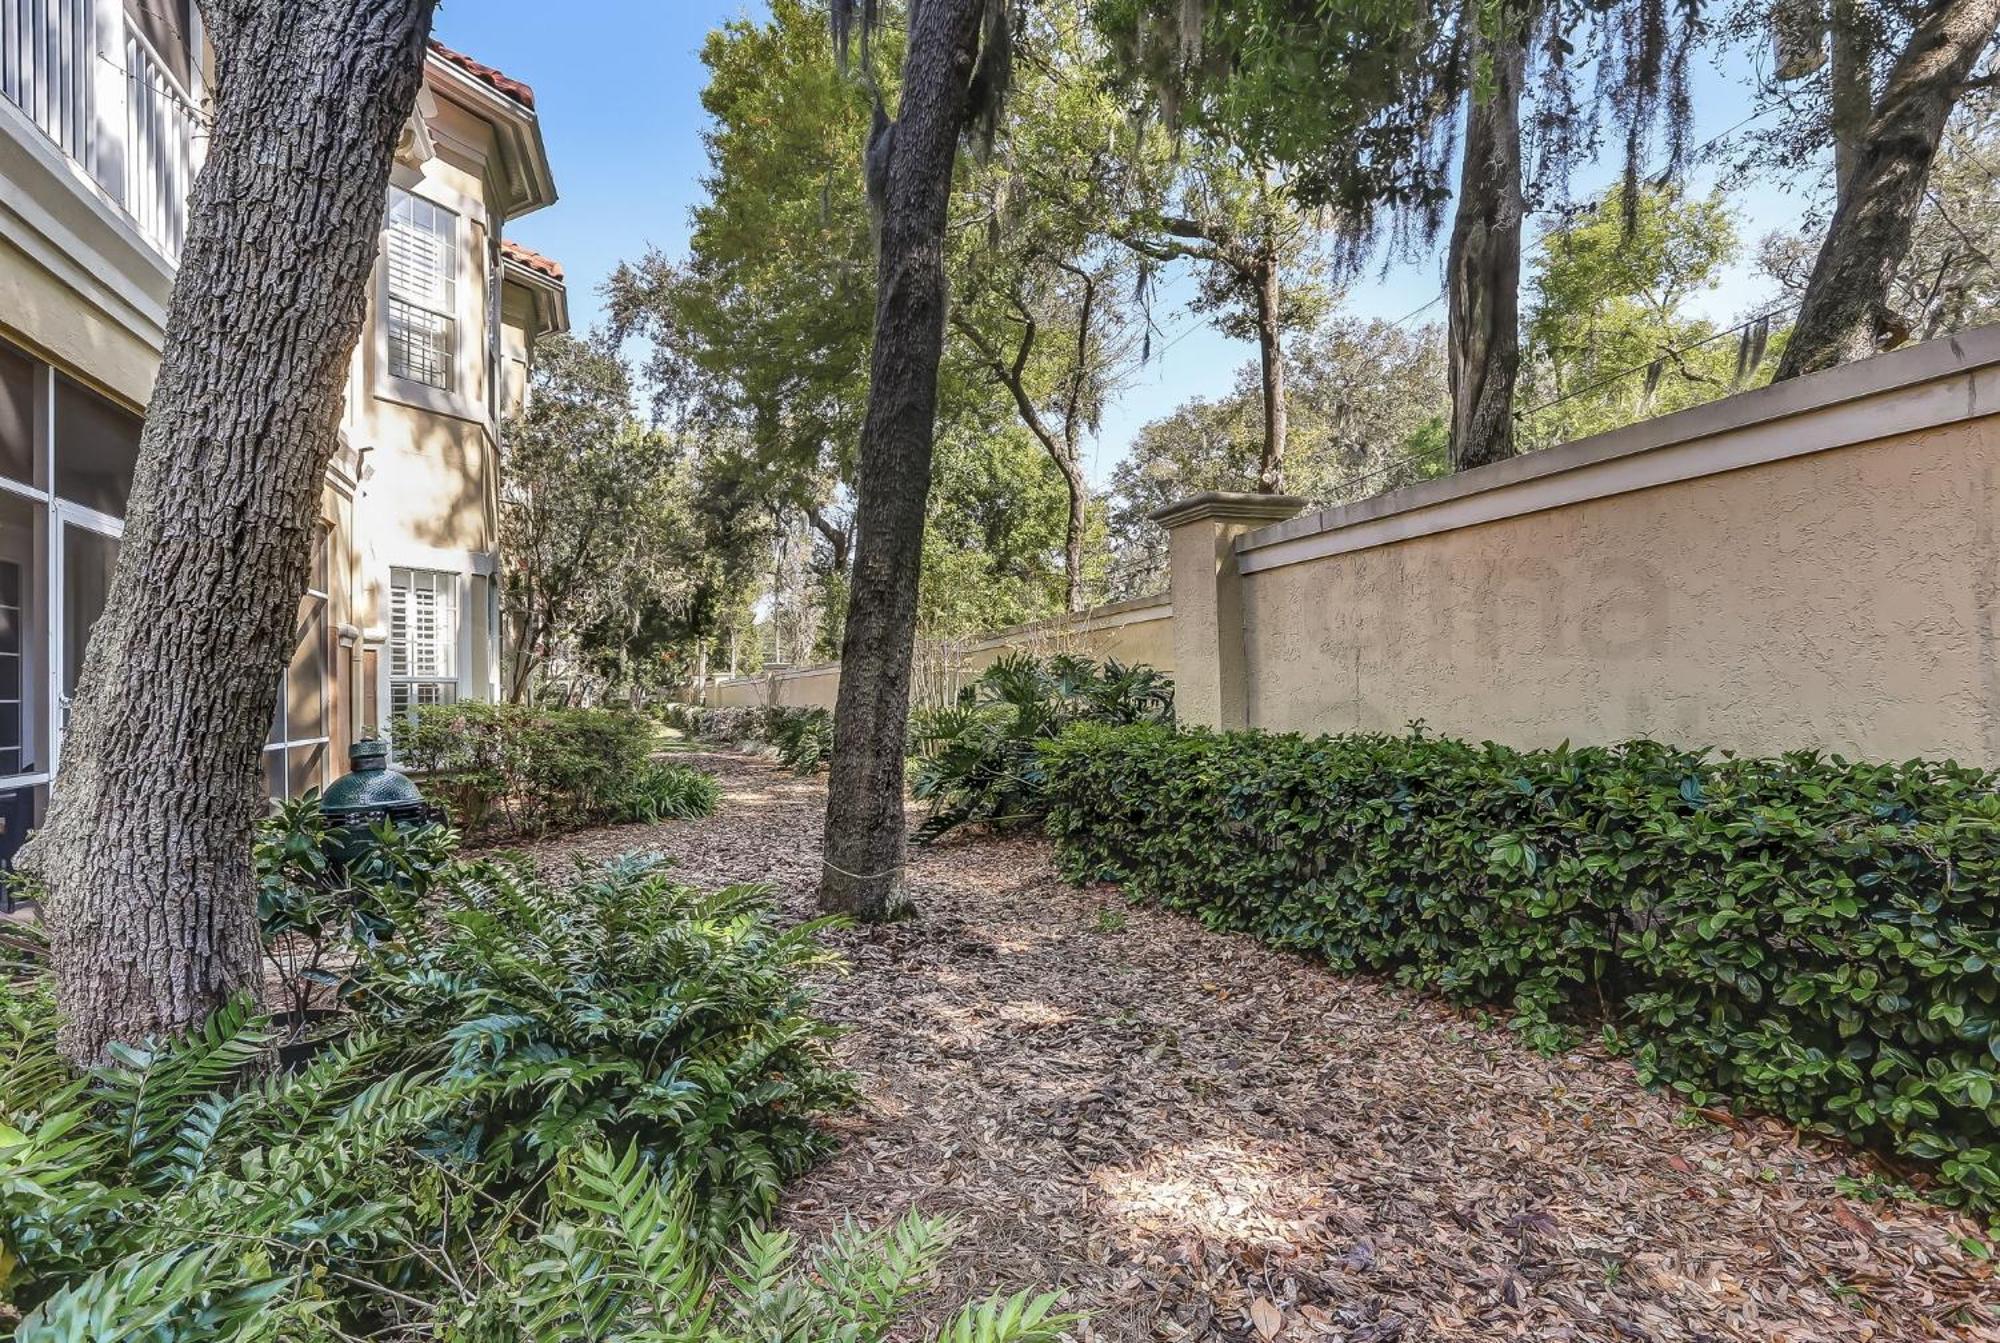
x=516, y=768
x=1805, y=935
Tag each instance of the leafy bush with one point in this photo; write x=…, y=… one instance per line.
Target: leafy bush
x=1810, y=936
x=977, y=761
x=445, y=1168
x=622, y=1006
x=803, y=738
x=316, y=913
x=516, y=768
x=678, y=716
x=721, y=727
x=663, y=791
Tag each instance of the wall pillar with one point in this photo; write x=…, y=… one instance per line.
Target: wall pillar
x=1209, y=669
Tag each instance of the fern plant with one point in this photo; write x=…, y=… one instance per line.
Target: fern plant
x=445, y=1169
x=169, y=1196
x=620, y=1259
x=977, y=762
x=624, y=1007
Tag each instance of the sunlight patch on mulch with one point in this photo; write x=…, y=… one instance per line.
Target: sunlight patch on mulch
x=1196, y=1137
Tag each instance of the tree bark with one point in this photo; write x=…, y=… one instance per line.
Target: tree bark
x=146, y=852
x=1847, y=298
x=909, y=166
x=836, y=538
x=1850, y=94
x=1270, y=350
x=1073, y=529
x=1483, y=325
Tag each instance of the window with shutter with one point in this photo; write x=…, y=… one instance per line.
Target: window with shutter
x=423, y=638
x=422, y=260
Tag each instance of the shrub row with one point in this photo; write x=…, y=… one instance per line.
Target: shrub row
x=514, y=768
x=801, y=737
x=1805, y=935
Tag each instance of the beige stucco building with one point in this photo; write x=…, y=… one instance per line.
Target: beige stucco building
x=101, y=132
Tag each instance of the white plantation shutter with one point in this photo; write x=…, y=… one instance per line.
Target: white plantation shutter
x=423, y=638
x=422, y=260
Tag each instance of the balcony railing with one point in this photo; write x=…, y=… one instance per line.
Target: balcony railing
x=135, y=136
x=159, y=148
x=48, y=69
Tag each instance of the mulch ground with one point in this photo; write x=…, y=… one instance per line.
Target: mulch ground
x=1194, y=1137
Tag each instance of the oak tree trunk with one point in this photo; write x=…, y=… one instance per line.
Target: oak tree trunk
x=146, y=852
x=1079, y=501
x=1484, y=281
x=1850, y=96
x=1847, y=297
x=1271, y=354
x=910, y=173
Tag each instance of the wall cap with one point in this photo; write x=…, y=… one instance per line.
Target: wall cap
x=1087, y=621
x=1228, y=506
x=1927, y=362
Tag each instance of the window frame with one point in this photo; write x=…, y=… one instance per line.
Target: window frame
x=445, y=306
x=445, y=686
x=319, y=591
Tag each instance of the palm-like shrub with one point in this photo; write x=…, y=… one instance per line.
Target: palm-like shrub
x=803, y=738
x=977, y=762
x=625, y=1007
x=663, y=791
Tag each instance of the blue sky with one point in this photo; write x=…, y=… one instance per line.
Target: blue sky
x=618, y=84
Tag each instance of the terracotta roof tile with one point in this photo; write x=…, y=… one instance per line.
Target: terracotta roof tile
x=486, y=74
x=534, y=261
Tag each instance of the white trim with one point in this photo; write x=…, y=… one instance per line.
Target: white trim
x=117, y=270
x=454, y=402
x=90, y=519
x=523, y=165
x=64, y=515
x=548, y=296
x=421, y=184
x=1940, y=382
x=424, y=397
x=453, y=561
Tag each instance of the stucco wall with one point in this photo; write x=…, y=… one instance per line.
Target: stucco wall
x=430, y=485
x=1131, y=632
x=39, y=312
x=1840, y=594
